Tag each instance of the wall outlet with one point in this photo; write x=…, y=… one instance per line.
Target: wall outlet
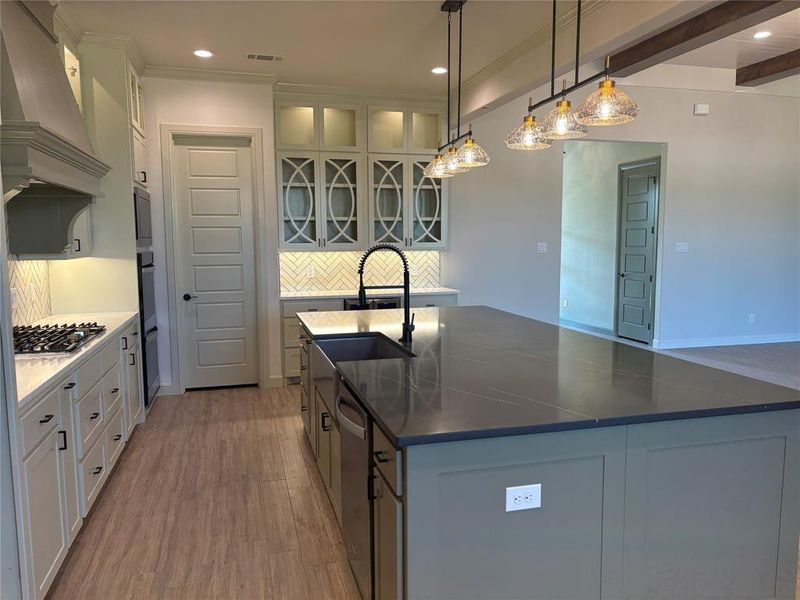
x=751, y=318
x=541, y=247
x=14, y=299
x=682, y=247
x=701, y=109
x=310, y=272
x=523, y=497
x=566, y=303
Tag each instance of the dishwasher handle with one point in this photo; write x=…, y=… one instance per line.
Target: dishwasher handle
x=354, y=428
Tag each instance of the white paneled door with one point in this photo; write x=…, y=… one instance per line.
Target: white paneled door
x=215, y=263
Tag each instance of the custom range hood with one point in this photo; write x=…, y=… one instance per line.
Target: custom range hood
x=50, y=173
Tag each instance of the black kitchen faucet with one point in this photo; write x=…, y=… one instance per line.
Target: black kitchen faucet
x=408, y=319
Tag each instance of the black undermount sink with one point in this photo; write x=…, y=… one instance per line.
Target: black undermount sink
x=363, y=347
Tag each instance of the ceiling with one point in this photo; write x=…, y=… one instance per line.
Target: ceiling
x=743, y=49
x=389, y=45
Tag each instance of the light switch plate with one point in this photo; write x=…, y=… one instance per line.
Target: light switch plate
x=702, y=109
x=523, y=497
x=14, y=299
x=682, y=247
x=541, y=247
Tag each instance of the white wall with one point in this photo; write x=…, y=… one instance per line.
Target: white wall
x=589, y=227
x=221, y=104
x=731, y=190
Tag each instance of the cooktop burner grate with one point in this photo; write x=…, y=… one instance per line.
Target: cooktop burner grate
x=44, y=339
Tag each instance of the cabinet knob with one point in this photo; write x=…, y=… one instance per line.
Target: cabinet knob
x=114, y=390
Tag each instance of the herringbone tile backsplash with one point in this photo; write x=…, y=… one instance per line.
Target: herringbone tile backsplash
x=320, y=271
x=32, y=281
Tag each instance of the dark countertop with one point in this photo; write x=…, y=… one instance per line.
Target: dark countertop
x=481, y=372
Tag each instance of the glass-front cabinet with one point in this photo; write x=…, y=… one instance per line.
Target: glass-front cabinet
x=406, y=208
x=350, y=174
x=321, y=201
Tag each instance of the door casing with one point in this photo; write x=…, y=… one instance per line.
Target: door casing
x=253, y=135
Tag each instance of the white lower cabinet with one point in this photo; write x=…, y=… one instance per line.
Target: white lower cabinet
x=43, y=475
x=69, y=440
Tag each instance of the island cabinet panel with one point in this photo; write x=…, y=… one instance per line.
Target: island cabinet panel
x=387, y=531
x=463, y=544
x=712, y=508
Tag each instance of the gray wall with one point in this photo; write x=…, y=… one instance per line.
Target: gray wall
x=589, y=227
x=731, y=190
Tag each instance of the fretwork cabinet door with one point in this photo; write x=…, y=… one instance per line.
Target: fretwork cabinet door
x=299, y=200
x=388, y=203
x=343, y=209
x=427, y=207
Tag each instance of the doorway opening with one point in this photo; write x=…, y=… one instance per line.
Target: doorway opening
x=609, y=231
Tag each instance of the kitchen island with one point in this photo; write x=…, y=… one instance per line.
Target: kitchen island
x=651, y=477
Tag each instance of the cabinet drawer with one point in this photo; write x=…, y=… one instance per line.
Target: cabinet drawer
x=291, y=331
x=90, y=418
x=388, y=459
x=89, y=373
x=291, y=362
x=129, y=337
x=40, y=421
x=423, y=301
x=115, y=438
x=111, y=390
x=93, y=474
x=291, y=308
x=109, y=356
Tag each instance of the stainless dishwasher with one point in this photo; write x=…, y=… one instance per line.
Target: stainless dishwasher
x=356, y=428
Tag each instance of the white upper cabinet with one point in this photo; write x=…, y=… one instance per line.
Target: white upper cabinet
x=343, y=207
x=405, y=130
x=298, y=192
x=406, y=208
x=329, y=126
x=136, y=99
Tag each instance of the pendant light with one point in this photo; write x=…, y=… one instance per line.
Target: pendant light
x=561, y=123
x=452, y=162
x=471, y=154
x=528, y=134
x=437, y=168
x=607, y=105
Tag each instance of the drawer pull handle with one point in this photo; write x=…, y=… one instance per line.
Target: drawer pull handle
x=63, y=435
x=133, y=360
x=303, y=368
x=124, y=342
x=380, y=457
x=69, y=386
x=46, y=419
x=118, y=437
x=114, y=390
x=324, y=421
x=303, y=408
x=94, y=415
x=97, y=470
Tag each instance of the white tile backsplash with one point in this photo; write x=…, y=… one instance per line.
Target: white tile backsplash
x=31, y=280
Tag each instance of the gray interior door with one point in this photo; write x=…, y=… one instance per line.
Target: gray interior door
x=638, y=190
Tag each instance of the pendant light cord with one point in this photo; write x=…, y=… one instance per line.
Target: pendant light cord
x=460, y=36
x=553, y=54
x=449, y=121
x=577, y=42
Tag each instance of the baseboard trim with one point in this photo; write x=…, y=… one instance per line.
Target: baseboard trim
x=584, y=327
x=739, y=340
x=275, y=381
x=168, y=390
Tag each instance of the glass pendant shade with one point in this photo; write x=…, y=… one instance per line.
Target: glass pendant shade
x=607, y=105
x=453, y=163
x=527, y=136
x=472, y=155
x=561, y=123
x=437, y=168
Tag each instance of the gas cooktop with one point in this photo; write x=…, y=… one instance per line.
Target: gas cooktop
x=54, y=339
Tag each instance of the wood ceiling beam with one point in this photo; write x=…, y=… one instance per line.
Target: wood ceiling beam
x=768, y=70
x=716, y=23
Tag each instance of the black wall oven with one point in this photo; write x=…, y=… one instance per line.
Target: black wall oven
x=148, y=325
x=144, y=227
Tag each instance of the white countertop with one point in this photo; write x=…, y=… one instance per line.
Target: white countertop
x=302, y=295
x=36, y=373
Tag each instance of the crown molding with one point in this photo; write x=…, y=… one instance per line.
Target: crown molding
x=208, y=75
x=65, y=21
x=122, y=42
x=537, y=39
x=299, y=89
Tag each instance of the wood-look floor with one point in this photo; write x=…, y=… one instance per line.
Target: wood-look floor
x=216, y=496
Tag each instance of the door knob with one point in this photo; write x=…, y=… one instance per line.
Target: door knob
x=622, y=274
x=188, y=297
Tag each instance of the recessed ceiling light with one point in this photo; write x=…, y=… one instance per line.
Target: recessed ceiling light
x=760, y=35
x=439, y=70
x=203, y=53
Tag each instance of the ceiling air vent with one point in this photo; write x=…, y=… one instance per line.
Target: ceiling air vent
x=263, y=57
